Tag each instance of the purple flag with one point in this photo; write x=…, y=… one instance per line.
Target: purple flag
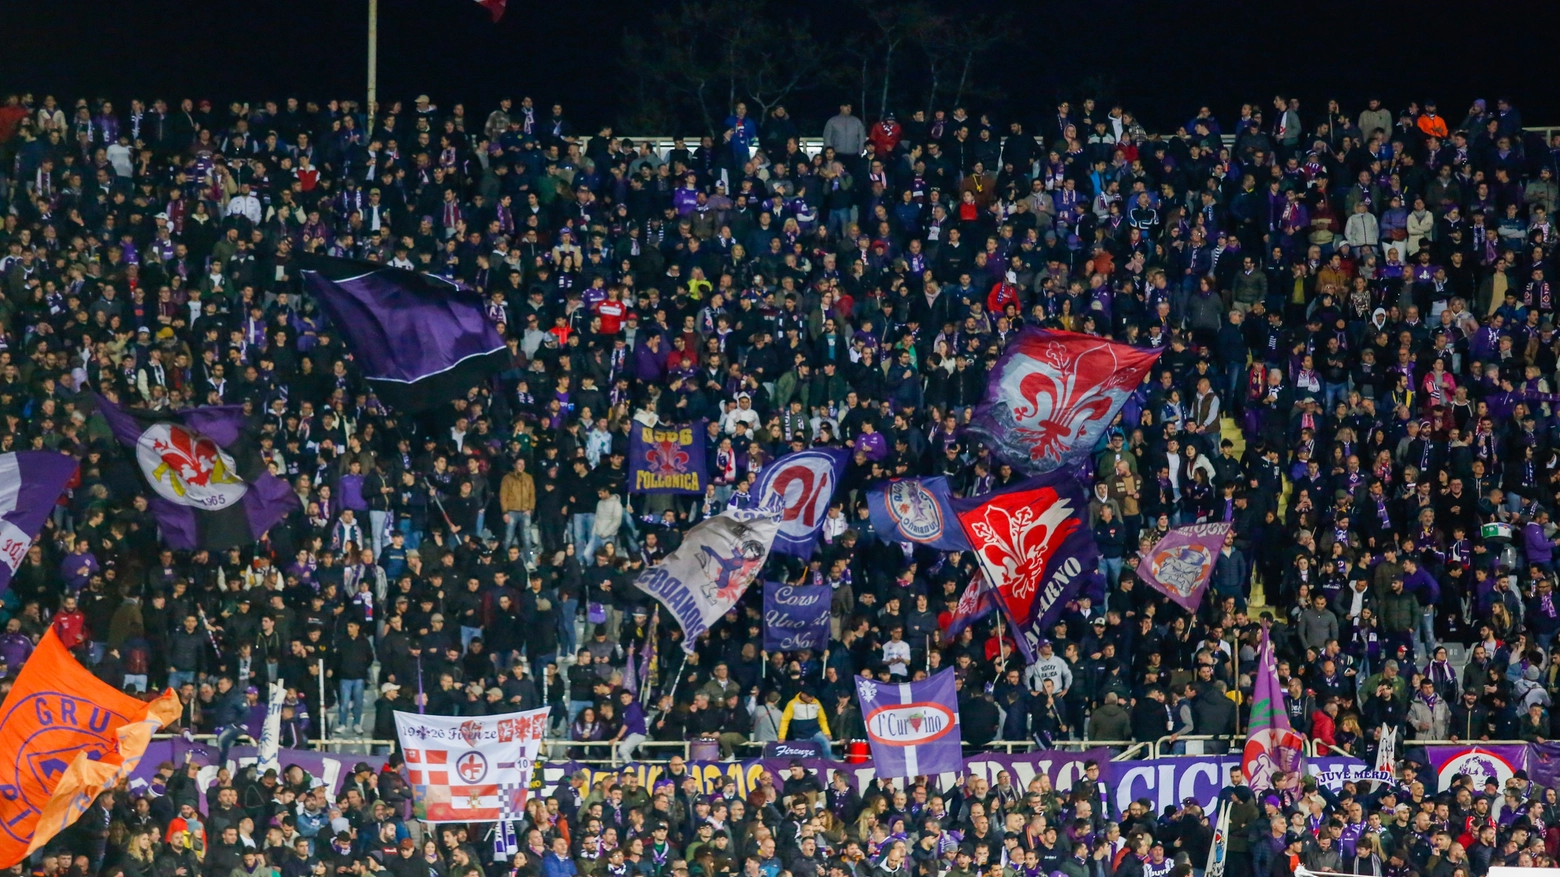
x=796, y=617
x=1036, y=549
x=799, y=487
x=30, y=483
x=918, y=510
x=210, y=488
x=667, y=459
x=1181, y=563
x=1543, y=764
x=420, y=340
x=1052, y=395
x=1273, y=749
x=913, y=726
x=1484, y=761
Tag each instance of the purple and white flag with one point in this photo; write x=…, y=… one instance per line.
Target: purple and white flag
x=1274, y=749
x=796, y=617
x=1181, y=563
x=30, y=483
x=209, y=487
x=798, y=488
x=913, y=727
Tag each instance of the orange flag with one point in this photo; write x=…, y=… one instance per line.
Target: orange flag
x=65, y=736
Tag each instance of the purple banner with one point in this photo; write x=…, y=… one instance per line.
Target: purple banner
x=1180, y=564
x=918, y=510
x=331, y=768
x=1169, y=781
x=796, y=617
x=974, y=604
x=913, y=727
x=1062, y=768
x=1543, y=764
x=1498, y=762
x=30, y=484
x=667, y=459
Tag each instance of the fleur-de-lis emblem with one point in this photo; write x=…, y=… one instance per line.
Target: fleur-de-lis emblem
x=667, y=457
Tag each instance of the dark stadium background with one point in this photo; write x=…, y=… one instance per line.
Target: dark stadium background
x=1160, y=58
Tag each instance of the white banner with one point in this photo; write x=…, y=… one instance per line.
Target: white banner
x=269, y=745
x=475, y=769
x=708, y=573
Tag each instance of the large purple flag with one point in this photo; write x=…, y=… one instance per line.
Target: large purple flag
x=420, y=340
x=1181, y=563
x=1034, y=544
x=30, y=483
x=796, y=617
x=918, y=510
x=667, y=459
x=1052, y=395
x=798, y=487
x=210, y=488
x=913, y=726
x=1274, y=749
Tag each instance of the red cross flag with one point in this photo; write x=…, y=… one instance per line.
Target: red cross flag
x=475, y=769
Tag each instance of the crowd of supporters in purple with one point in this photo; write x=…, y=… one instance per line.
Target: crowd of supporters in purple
x=1355, y=310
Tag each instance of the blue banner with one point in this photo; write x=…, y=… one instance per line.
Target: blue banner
x=796, y=617
x=916, y=510
x=667, y=459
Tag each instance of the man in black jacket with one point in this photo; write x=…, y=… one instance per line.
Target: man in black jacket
x=1470, y=719
x=354, y=655
x=1151, y=718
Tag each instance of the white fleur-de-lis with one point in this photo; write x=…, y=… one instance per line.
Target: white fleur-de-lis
x=869, y=691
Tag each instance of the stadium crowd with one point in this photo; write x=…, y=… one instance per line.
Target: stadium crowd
x=1356, y=315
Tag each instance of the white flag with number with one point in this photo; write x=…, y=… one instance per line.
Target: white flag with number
x=1219, y=849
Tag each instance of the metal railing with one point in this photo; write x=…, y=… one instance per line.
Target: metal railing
x=811, y=146
x=1160, y=750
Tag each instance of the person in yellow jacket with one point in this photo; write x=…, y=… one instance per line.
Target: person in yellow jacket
x=517, y=498
x=803, y=719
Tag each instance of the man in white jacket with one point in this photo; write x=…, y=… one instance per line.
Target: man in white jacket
x=1048, y=665
x=1362, y=230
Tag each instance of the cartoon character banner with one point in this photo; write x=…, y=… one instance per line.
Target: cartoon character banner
x=796, y=617
x=913, y=727
x=1035, y=548
x=1181, y=563
x=470, y=768
x=711, y=569
x=1498, y=762
x=667, y=459
x=1053, y=394
x=918, y=510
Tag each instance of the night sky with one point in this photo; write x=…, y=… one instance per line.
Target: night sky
x=1162, y=59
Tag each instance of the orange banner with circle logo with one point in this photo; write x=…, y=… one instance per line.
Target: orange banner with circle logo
x=65, y=737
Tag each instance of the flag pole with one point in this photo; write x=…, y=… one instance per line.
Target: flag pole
x=373, y=59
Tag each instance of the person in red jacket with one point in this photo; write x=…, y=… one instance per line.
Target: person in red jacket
x=885, y=136
x=1003, y=293
x=69, y=624
x=1324, y=722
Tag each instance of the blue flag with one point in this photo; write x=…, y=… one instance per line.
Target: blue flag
x=30, y=483
x=913, y=726
x=667, y=459
x=799, y=487
x=796, y=617
x=916, y=510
